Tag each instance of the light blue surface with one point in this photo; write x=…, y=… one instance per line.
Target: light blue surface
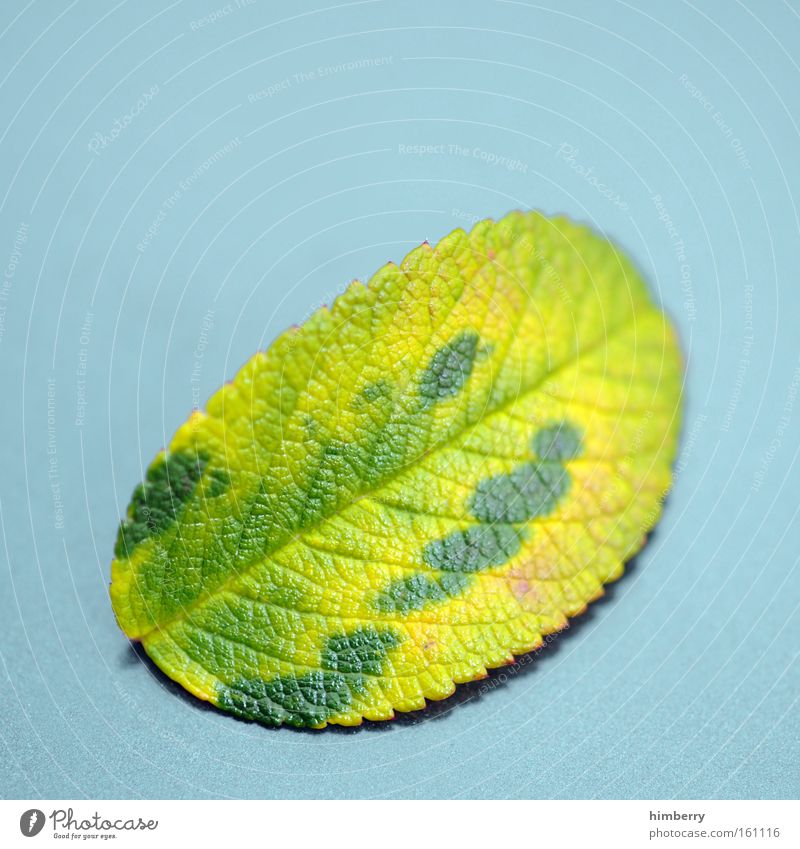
x=684, y=681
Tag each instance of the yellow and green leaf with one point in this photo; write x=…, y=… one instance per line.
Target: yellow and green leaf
x=413, y=487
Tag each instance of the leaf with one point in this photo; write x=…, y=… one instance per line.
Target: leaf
x=413, y=487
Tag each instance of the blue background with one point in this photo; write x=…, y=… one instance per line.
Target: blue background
x=245, y=188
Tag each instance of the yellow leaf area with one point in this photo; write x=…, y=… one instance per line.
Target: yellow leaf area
x=413, y=487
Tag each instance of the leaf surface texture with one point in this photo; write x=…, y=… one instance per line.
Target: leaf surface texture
x=416, y=485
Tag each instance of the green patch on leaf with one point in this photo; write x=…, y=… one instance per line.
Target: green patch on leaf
x=372, y=392
x=217, y=481
x=560, y=441
x=157, y=500
x=474, y=548
x=360, y=652
x=420, y=590
x=449, y=368
x=306, y=700
x=530, y=490
x=311, y=698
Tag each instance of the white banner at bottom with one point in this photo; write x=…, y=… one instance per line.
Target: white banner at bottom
x=402, y=824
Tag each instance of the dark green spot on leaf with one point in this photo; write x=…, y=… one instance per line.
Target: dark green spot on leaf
x=361, y=651
x=156, y=501
x=449, y=368
x=374, y=392
x=561, y=441
x=339, y=464
x=217, y=481
x=303, y=700
x=473, y=549
x=313, y=697
x=416, y=592
x=530, y=490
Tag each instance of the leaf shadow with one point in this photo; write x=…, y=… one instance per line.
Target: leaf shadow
x=135, y=655
x=472, y=691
